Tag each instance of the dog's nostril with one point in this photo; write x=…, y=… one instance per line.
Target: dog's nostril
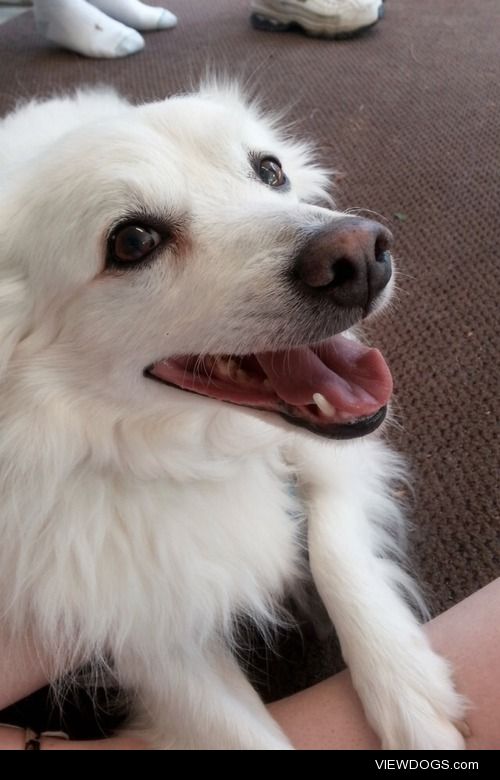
x=383, y=257
x=382, y=253
x=343, y=271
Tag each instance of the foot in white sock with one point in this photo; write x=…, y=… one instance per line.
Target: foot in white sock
x=77, y=25
x=136, y=14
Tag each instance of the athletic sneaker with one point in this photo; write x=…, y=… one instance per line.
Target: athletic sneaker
x=324, y=18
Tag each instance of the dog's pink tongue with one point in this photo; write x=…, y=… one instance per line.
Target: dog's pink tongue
x=353, y=378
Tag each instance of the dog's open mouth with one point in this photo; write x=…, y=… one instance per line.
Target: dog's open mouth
x=339, y=388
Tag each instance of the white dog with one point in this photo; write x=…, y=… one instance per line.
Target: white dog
x=174, y=390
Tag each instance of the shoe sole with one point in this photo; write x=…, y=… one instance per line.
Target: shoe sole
x=310, y=26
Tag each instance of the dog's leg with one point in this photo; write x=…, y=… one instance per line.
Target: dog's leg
x=199, y=703
x=405, y=687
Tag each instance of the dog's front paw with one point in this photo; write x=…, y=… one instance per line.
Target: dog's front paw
x=418, y=708
x=418, y=733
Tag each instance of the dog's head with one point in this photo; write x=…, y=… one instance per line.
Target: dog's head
x=172, y=253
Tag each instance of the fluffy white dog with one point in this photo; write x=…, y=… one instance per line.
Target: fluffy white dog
x=177, y=403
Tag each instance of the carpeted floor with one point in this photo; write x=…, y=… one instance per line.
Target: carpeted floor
x=409, y=114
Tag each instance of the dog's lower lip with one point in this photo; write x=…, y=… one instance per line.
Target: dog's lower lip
x=348, y=430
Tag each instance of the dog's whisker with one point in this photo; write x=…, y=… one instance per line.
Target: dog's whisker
x=355, y=211
x=405, y=275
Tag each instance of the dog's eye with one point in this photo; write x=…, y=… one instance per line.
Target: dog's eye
x=270, y=172
x=131, y=243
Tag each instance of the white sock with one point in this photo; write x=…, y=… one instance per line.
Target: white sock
x=77, y=25
x=136, y=14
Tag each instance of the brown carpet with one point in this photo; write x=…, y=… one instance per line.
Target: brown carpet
x=410, y=114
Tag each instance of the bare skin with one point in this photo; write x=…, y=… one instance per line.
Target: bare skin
x=329, y=716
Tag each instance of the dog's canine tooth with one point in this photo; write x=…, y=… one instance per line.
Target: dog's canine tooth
x=324, y=405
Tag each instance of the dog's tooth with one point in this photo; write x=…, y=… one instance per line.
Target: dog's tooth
x=232, y=369
x=267, y=384
x=241, y=375
x=324, y=405
x=219, y=367
x=347, y=417
x=226, y=368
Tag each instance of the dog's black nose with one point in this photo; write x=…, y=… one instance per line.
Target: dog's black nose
x=348, y=261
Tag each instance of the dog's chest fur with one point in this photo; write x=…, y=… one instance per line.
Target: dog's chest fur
x=176, y=559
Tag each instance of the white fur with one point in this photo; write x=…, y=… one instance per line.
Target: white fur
x=138, y=521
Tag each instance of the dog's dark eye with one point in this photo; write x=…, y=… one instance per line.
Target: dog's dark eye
x=270, y=172
x=131, y=243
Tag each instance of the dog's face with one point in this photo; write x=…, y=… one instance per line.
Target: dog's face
x=173, y=253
